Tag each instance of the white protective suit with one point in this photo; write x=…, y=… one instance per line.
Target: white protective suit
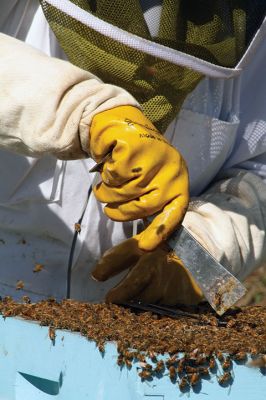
x=46, y=106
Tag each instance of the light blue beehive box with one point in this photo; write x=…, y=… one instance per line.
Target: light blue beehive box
x=33, y=368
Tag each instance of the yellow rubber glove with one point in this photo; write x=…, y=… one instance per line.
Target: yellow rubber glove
x=154, y=277
x=143, y=176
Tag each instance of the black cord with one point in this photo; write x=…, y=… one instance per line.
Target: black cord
x=73, y=246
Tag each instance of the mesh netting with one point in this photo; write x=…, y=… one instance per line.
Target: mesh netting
x=216, y=31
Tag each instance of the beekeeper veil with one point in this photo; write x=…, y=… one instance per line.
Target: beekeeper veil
x=158, y=62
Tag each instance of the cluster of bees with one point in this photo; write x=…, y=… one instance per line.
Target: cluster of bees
x=144, y=332
x=188, y=370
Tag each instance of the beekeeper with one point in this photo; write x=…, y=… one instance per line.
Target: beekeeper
x=57, y=120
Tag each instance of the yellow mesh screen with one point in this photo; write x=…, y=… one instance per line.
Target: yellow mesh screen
x=213, y=30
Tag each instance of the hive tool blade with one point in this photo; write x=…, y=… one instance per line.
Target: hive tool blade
x=220, y=288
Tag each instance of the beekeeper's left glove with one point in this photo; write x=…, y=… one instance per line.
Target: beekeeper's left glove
x=144, y=174
x=154, y=277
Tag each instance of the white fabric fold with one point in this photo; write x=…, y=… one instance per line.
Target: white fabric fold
x=229, y=220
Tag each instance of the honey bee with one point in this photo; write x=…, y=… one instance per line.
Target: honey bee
x=145, y=374
x=209, y=353
x=51, y=333
x=183, y=383
x=194, y=378
x=51, y=300
x=204, y=371
x=146, y=366
x=212, y=363
x=181, y=365
x=159, y=367
x=217, y=300
x=220, y=356
x=227, y=363
x=152, y=356
x=240, y=356
x=172, y=350
x=200, y=360
x=77, y=227
x=140, y=357
x=7, y=299
x=120, y=360
x=128, y=363
x=253, y=352
x=100, y=347
x=7, y=313
x=230, y=323
x=37, y=268
x=190, y=370
x=19, y=285
x=172, y=373
x=26, y=299
x=171, y=361
x=134, y=355
x=225, y=378
x=129, y=355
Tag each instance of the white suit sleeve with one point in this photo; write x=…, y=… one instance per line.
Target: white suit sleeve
x=46, y=104
x=229, y=220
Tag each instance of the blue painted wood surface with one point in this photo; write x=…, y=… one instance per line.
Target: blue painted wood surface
x=33, y=368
